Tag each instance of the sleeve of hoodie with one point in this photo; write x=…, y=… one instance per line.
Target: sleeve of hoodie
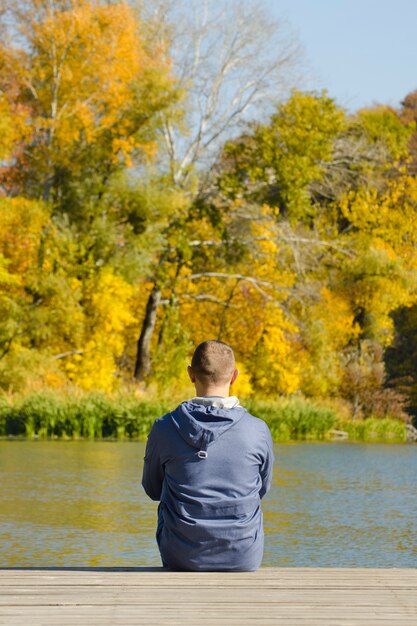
x=153, y=470
x=266, y=467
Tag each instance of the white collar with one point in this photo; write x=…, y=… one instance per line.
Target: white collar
x=229, y=402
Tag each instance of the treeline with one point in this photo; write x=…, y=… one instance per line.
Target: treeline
x=138, y=218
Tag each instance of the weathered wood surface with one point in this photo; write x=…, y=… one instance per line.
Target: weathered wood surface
x=282, y=596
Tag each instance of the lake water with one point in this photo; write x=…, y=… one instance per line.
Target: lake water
x=331, y=505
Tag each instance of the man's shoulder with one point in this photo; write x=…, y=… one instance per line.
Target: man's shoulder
x=163, y=420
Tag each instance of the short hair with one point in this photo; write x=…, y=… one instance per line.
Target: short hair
x=213, y=361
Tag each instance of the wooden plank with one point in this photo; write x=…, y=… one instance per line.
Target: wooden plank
x=31, y=595
x=203, y=579
x=305, y=596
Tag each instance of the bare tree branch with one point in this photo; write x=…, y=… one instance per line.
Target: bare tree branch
x=205, y=297
x=250, y=279
x=221, y=59
x=63, y=355
x=198, y=297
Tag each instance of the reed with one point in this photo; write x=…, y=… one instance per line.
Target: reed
x=50, y=415
x=90, y=416
x=293, y=419
x=374, y=429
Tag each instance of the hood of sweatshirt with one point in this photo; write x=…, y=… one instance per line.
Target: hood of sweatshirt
x=201, y=421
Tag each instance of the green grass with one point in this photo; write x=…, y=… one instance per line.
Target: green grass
x=294, y=419
x=374, y=429
x=91, y=416
x=96, y=416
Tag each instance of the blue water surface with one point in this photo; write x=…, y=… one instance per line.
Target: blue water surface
x=79, y=503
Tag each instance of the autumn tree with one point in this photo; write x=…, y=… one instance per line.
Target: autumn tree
x=231, y=62
x=350, y=269
x=80, y=96
x=91, y=92
x=143, y=184
x=278, y=162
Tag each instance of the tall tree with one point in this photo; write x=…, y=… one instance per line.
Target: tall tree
x=91, y=93
x=80, y=97
x=344, y=209
x=231, y=61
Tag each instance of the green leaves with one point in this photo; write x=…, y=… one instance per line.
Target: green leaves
x=279, y=162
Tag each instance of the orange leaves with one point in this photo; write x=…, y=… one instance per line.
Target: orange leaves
x=85, y=61
x=21, y=224
x=88, y=87
x=12, y=126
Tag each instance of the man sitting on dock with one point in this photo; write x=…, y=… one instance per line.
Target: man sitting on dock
x=209, y=462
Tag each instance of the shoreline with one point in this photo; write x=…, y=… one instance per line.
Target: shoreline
x=326, y=440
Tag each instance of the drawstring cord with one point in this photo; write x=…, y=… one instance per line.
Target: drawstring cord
x=202, y=453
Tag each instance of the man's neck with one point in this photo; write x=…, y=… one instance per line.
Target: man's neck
x=207, y=392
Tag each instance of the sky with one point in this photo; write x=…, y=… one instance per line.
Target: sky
x=364, y=52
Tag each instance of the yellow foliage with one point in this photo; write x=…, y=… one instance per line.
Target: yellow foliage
x=81, y=73
x=243, y=309
x=335, y=311
x=108, y=314
x=95, y=49
x=12, y=126
x=264, y=231
x=390, y=216
x=22, y=222
x=278, y=366
x=330, y=328
x=6, y=278
x=242, y=387
x=384, y=269
x=382, y=285
x=266, y=254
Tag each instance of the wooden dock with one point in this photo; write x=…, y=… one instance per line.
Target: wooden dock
x=151, y=596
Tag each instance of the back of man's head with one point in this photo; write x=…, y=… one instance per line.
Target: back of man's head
x=213, y=362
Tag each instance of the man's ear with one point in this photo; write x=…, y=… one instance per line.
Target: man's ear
x=191, y=373
x=234, y=376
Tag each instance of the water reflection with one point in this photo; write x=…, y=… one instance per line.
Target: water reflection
x=343, y=505
x=74, y=503
x=80, y=503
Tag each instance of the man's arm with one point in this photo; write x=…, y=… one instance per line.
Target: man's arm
x=153, y=470
x=266, y=467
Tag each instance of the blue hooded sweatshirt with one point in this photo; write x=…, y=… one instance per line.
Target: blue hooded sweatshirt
x=209, y=466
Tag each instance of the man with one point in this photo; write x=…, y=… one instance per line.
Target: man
x=209, y=462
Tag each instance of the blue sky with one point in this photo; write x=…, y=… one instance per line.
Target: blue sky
x=362, y=51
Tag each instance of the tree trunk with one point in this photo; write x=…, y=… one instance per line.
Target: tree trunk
x=143, y=355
